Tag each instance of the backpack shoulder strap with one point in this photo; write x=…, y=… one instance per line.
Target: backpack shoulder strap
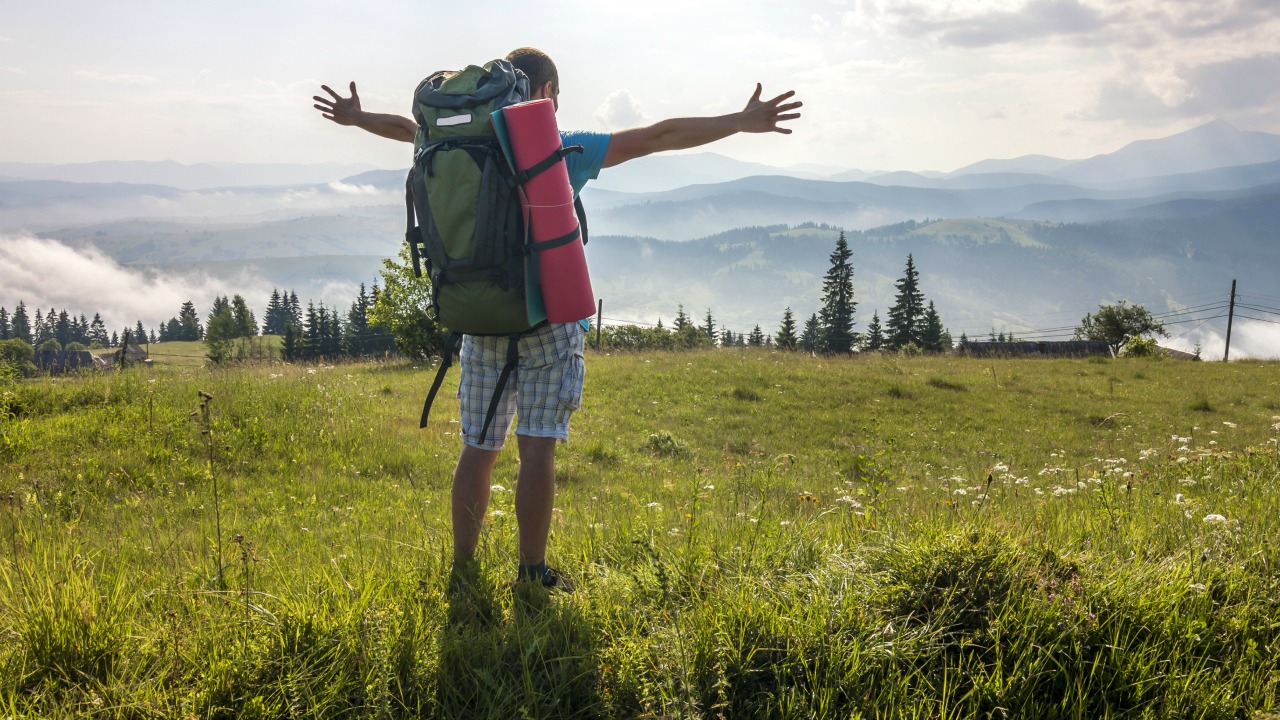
x=450, y=349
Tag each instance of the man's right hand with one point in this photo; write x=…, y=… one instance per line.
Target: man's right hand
x=347, y=111
x=344, y=111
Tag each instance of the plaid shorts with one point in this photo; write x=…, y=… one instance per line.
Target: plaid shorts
x=543, y=390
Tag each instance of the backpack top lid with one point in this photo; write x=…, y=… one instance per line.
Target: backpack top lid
x=457, y=103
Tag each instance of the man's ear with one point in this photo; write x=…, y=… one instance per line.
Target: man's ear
x=542, y=92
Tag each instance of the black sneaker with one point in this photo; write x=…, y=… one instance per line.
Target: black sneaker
x=556, y=580
x=551, y=579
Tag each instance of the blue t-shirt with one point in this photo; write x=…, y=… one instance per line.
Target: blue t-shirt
x=585, y=165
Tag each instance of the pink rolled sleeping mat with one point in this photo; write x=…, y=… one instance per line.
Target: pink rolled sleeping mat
x=548, y=202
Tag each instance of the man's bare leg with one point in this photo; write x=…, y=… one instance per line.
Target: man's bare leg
x=535, y=496
x=471, y=480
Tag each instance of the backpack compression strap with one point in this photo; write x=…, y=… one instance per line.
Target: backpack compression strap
x=450, y=349
x=513, y=358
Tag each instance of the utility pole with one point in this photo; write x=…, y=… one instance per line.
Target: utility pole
x=1231, y=313
x=599, y=319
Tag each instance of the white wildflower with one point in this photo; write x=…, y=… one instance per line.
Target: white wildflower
x=1214, y=519
x=498, y=488
x=654, y=506
x=1228, y=424
x=1179, y=498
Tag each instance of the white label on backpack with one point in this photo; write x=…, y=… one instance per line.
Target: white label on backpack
x=451, y=121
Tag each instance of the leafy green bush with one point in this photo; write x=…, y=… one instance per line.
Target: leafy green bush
x=1141, y=347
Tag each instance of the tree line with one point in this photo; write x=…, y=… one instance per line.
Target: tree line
x=912, y=324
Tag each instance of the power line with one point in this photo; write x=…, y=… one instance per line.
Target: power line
x=1249, y=317
x=1271, y=311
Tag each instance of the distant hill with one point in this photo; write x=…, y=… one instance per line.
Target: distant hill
x=1029, y=164
x=187, y=177
x=1214, y=145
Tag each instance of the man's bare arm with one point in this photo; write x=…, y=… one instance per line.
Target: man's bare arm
x=347, y=111
x=681, y=133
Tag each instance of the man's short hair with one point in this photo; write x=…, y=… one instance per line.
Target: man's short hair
x=537, y=65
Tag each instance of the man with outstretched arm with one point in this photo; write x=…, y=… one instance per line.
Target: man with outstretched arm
x=547, y=386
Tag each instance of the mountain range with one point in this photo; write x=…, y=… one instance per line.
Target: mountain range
x=1157, y=220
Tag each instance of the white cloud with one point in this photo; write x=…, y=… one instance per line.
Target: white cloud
x=619, y=111
x=46, y=273
x=118, y=79
x=1249, y=339
x=349, y=189
x=12, y=70
x=820, y=24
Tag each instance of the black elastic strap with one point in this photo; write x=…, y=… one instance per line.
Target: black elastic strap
x=513, y=358
x=582, y=216
x=552, y=244
x=412, y=234
x=546, y=164
x=450, y=349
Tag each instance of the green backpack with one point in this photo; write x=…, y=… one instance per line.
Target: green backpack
x=465, y=222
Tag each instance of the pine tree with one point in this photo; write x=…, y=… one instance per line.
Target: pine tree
x=39, y=333
x=907, y=311
x=727, y=338
x=963, y=338
x=874, y=339
x=139, y=333
x=20, y=325
x=189, y=327
x=682, y=320
x=358, y=340
x=246, y=325
x=809, y=337
x=62, y=328
x=273, y=321
x=786, y=336
x=98, y=331
x=5, y=330
x=756, y=338
x=709, y=327
x=115, y=339
x=931, y=331
x=837, y=301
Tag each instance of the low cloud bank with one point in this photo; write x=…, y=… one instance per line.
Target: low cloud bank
x=47, y=274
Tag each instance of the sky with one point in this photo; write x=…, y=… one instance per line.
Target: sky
x=887, y=84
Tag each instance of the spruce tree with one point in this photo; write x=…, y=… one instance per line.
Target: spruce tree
x=246, y=325
x=874, y=339
x=682, y=320
x=62, y=328
x=786, y=337
x=809, y=336
x=39, y=331
x=189, y=327
x=19, y=324
x=709, y=327
x=5, y=330
x=907, y=311
x=931, y=331
x=837, y=301
x=139, y=333
x=98, y=331
x=358, y=341
x=756, y=338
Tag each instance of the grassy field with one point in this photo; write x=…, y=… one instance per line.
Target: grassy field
x=754, y=534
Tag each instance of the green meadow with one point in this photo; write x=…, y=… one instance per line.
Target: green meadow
x=753, y=534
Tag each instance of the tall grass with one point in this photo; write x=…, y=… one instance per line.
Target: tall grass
x=754, y=535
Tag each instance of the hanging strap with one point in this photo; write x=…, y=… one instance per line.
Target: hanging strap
x=546, y=163
x=513, y=358
x=450, y=349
